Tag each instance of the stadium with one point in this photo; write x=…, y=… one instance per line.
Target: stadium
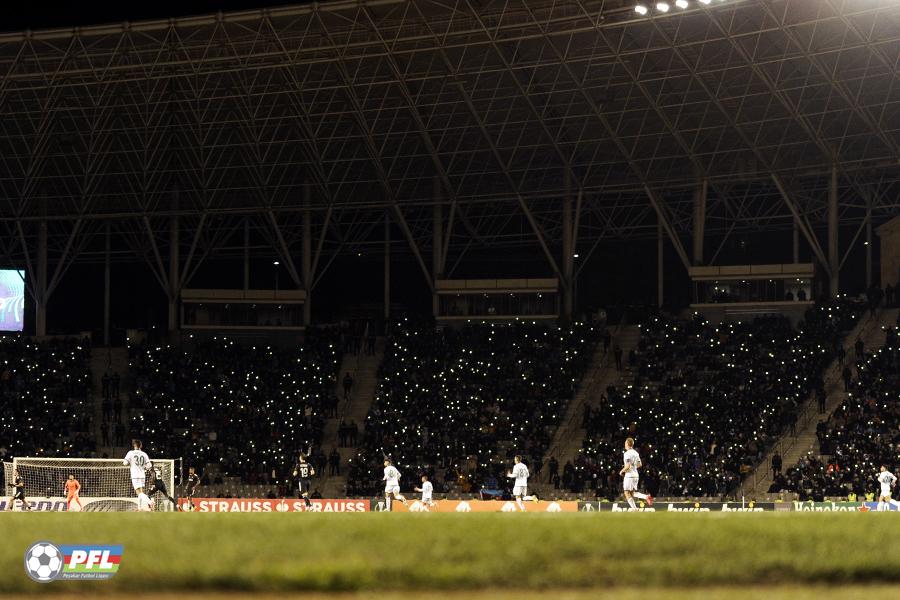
x=353, y=270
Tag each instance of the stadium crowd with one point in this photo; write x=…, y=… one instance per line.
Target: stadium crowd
x=860, y=436
x=459, y=403
x=706, y=400
x=249, y=410
x=44, y=398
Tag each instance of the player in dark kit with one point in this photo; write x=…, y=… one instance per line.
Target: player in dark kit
x=19, y=493
x=192, y=484
x=304, y=472
x=159, y=485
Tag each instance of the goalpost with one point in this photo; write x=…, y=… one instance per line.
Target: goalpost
x=105, y=483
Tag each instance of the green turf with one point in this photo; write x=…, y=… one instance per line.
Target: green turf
x=407, y=552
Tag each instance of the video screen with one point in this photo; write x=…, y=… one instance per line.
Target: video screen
x=12, y=299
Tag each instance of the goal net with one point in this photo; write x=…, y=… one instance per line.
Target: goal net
x=105, y=483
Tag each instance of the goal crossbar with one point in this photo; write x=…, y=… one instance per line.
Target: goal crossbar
x=105, y=483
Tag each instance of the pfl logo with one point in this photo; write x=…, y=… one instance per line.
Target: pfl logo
x=46, y=562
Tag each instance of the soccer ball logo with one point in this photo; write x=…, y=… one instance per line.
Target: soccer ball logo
x=508, y=507
x=43, y=562
x=554, y=507
x=463, y=507
x=418, y=506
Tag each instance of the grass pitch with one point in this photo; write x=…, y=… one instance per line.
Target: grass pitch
x=473, y=555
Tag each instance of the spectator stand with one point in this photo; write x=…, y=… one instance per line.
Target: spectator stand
x=792, y=447
x=239, y=413
x=459, y=403
x=862, y=433
x=706, y=401
x=44, y=397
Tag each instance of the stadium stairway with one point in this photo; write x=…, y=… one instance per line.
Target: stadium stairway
x=113, y=360
x=793, y=447
x=600, y=374
x=364, y=370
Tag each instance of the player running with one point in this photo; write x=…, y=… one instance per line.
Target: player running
x=520, y=486
x=887, y=480
x=392, y=484
x=427, y=490
x=630, y=474
x=158, y=486
x=19, y=493
x=139, y=462
x=193, y=484
x=72, y=488
x=304, y=472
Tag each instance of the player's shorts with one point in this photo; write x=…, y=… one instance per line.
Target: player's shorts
x=886, y=491
x=19, y=495
x=520, y=490
x=630, y=483
x=427, y=500
x=392, y=489
x=138, y=482
x=304, y=486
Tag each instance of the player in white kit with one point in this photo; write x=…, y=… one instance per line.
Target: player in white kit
x=139, y=462
x=630, y=473
x=887, y=480
x=520, y=486
x=392, y=484
x=427, y=490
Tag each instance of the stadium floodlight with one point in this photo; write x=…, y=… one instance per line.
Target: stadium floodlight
x=662, y=7
x=705, y=1
x=640, y=9
x=276, y=263
x=681, y=3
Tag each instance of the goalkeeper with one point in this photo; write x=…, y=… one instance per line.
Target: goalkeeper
x=158, y=484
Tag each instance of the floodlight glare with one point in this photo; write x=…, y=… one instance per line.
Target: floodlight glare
x=681, y=3
x=705, y=1
x=640, y=9
x=662, y=6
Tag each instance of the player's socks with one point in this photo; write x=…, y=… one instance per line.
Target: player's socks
x=631, y=503
x=306, y=501
x=639, y=495
x=388, y=503
x=520, y=503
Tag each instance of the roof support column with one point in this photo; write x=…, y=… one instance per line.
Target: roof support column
x=568, y=248
x=437, y=245
x=700, y=194
x=306, y=266
x=246, y=254
x=834, y=265
x=796, y=242
x=40, y=295
x=106, y=283
x=174, y=287
x=387, y=264
x=660, y=240
x=868, y=244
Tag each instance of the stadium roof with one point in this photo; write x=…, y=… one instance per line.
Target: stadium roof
x=493, y=110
